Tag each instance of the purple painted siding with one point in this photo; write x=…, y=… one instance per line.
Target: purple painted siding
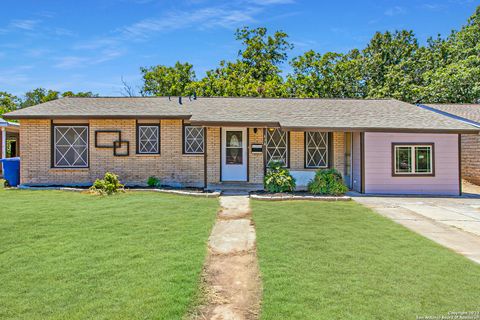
x=356, y=163
x=378, y=164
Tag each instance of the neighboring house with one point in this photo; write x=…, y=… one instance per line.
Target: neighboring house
x=9, y=139
x=379, y=146
x=467, y=113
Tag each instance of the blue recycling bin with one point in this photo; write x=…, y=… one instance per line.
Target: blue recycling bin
x=11, y=170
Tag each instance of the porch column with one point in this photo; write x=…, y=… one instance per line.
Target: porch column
x=4, y=142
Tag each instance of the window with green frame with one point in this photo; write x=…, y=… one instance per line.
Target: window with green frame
x=414, y=159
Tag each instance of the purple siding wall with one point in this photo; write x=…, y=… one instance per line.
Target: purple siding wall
x=378, y=165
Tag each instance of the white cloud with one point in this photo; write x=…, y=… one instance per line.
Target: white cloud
x=62, y=32
x=70, y=62
x=35, y=28
x=25, y=24
x=201, y=18
x=14, y=76
x=37, y=52
x=395, y=11
x=270, y=2
x=228, y=15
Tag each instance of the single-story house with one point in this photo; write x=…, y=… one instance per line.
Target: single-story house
x=9, y=139
x=379, y=146
x=467, y=113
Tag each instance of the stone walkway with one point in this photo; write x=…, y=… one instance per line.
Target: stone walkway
x=232, y=282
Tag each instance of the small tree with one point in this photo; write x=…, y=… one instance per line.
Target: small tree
x=109, y=185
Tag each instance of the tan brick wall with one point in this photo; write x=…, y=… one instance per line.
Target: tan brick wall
x=297, y=151
x=171, y=166
x=213, y=154
x=339, y=151
x=255, y=161
x=470, y=157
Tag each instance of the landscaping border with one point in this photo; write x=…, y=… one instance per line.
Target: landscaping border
x=215, y=194
x=285, y=197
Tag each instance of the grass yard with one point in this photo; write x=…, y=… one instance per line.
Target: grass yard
x=342, y=261
x=66, y=255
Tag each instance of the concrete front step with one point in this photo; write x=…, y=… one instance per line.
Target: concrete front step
x=235, y=186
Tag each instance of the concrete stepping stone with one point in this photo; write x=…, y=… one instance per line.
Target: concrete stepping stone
x=232, y=236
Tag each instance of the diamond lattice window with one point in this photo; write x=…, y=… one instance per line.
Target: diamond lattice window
x=276, y=146
x=70, y=147
x=193, y=139
x=148, y=139
x=316, y=150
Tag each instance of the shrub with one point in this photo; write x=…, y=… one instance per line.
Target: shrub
x=108, y=185
x=327, y=182
x=278, y=178
x=154, y=182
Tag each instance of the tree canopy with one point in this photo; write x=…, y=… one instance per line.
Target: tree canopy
x=10, y=102
x=392, y=65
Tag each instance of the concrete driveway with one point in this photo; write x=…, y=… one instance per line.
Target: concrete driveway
x=451, y=222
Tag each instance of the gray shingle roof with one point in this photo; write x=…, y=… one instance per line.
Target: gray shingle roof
x=328, y=114
x=465, y=111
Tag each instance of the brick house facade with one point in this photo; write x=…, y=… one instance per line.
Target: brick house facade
x=378, y=146
x=171, y=165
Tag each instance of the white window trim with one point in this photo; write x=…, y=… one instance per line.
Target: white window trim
x=54, y=164
x=139, y=141
x=307, y=134
x=185, y=140
x=412, y=152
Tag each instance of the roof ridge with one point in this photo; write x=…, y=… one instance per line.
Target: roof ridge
x=253, y=98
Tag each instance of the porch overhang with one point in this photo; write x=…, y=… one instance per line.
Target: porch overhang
x=250, y=124
x=9, y=126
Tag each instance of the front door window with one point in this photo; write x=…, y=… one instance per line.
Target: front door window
x=234, y=147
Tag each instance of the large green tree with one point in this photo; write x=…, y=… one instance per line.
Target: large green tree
x=451, y=66
x=167, y=81
x=8, y=102
x=80, y=94
x=255, y=73
x=331, y=75
x=37, y=96
x=389, y=63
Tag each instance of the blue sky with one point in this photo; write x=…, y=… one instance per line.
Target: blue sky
x=89, y=45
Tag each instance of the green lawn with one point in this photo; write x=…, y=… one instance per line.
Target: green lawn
x=65, y=255
x=342, y=261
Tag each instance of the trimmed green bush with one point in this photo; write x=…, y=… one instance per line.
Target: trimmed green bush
x=110, y=184
x=327, y=182
x=154, y=182
x=278, y=178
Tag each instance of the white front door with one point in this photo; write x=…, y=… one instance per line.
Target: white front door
x=234, y=154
